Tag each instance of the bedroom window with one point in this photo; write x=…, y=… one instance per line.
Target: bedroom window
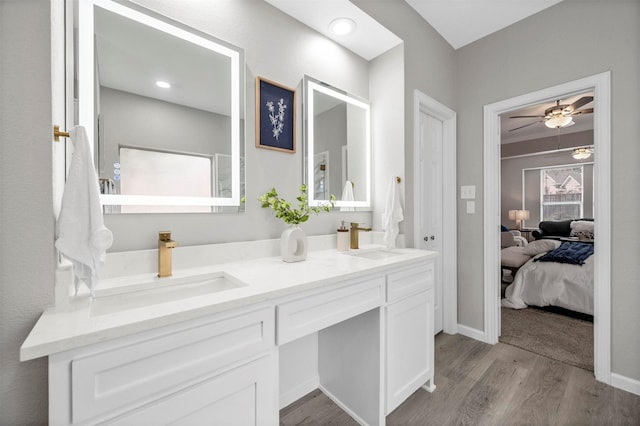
x=561, y=193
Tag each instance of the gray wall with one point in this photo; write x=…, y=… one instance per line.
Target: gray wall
x=330, y=133
x=526, y=57
x=134, y=120
x=516, y=157
x=511, y=185
x=26, y=211
x=256, y=27
x=429, y=66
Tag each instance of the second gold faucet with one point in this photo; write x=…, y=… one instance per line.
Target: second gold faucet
x=354, y=234
x=165, y=244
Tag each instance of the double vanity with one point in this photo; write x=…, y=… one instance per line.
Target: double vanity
x=232, y=334
x=234, y=341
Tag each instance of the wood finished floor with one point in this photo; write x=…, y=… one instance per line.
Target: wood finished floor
x=480, y=384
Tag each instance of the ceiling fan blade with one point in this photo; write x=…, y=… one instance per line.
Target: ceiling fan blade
x=580, y=102
x=527, y=116
x=583, y=111
x=526, y=125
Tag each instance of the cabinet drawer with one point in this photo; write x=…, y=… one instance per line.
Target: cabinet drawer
x=155, y=363
x=318, y=310
x=241, y=396
x=410, y=281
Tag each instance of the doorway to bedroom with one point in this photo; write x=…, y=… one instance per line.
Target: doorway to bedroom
x=546, y=181
x=599, y=85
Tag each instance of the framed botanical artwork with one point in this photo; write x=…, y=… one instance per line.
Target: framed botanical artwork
x=275, y=116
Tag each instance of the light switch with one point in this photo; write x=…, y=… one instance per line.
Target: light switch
x=471, y=207
x=468, y=192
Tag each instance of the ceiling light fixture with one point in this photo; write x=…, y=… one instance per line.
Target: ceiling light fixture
x=342, y=26
x=582, y=153
x=163, y=84
x=558, y=120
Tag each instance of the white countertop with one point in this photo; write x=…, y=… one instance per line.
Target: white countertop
x=267, y=278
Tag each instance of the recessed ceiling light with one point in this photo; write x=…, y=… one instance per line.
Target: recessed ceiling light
x=163, y=84
x=342, y=26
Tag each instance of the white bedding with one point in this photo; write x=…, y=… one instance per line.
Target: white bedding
x=550, y=283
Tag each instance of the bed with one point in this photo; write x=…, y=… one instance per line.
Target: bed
x=549, y=283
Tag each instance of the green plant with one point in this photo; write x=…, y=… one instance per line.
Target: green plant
x=284, y=210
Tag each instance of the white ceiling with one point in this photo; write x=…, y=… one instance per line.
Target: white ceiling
x=131, y=57
x=370, y=38
x=461, y=22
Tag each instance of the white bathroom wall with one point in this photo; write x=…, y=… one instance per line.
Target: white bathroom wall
x=278, y=48
x=387, y=99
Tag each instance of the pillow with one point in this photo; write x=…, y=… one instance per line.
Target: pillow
x=582, y=225
x=582, y=235
x=582, y=229
x=534, y=248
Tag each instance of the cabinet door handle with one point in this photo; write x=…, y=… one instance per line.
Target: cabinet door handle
x=430, y=237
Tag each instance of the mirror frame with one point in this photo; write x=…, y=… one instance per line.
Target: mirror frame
x=86, y=87
x=311, y=86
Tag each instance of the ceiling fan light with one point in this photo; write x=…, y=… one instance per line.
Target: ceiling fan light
x=558, y=121
x=581, y=153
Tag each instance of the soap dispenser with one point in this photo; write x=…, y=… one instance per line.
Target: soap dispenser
x=343, y=238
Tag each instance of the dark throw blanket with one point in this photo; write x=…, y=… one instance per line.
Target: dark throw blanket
x=568, y=252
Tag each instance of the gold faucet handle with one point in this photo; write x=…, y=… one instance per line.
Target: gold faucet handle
x=164, y=235
x=355, y=227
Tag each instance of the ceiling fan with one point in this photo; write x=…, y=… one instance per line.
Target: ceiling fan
x=558, y=115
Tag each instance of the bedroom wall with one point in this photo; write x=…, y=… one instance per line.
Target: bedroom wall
x=512, y=192
x=518, y=156
x=526, y=57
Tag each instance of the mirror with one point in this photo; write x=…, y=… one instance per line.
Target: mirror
x=337, y=146
x=165, y=105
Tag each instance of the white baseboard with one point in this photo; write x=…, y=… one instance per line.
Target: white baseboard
x=299, y=391
x=344, y=408
x=472, y=333
x=625, y=383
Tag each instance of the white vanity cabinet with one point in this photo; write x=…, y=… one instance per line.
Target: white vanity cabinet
x=360, y=330
x=409, y=333
x=220, y=369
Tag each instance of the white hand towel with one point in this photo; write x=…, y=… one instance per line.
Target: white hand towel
x=392, y=214
x=347, y=195
x=81, y=234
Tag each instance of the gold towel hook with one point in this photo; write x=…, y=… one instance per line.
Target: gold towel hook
x=398, y=180
x=57, y=133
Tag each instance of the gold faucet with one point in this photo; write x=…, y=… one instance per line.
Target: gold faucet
x=354, y=234
x=165, y=244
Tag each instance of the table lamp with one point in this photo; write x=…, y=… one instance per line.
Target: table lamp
x=518, y=216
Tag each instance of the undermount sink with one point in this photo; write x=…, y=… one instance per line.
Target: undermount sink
x=163, y=290
x=374, y=254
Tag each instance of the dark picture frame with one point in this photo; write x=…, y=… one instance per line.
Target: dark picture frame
x=275, y=116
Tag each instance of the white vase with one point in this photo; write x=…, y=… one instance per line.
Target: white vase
x=293, y=244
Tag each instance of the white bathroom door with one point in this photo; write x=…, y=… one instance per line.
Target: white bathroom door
x=430, y=199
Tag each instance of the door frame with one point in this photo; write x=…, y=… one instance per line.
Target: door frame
x=601, y=85
x=428, y=105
